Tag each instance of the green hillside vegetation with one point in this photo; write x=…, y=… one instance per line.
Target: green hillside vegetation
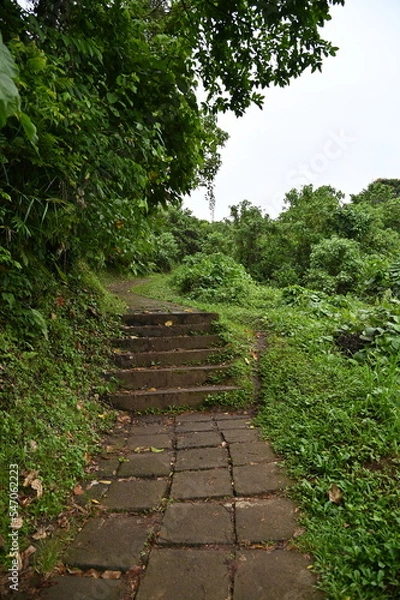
x=324, y=288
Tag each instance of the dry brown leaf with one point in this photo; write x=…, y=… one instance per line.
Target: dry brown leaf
x=111, y=575
x=94, y=501
x=25, y=556
x=38, y=487
x=168, y=323
x=105, y=481
x=123, y=418
x=63, y=522
x=298, y=532
x=78, y=490
x=142, y=449
x=31, y=476
x=335, y=494
x=40, y=534
x=92, y=573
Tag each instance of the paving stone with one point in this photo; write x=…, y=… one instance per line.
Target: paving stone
x=112, y=443
x=152, y=430
x=195, y=417
x=241, y=435
x=135, y=495
x=196, y=426
x=108, y=467
x=146, y=464
x=235, y=424
x=201, y=458
x=109, y=543
x=251, y=452
x=153, y=420
x=279, y=575
x=263, y=520
x=183, y=574
x=199, y=439
x=211, y=483
x=191, y=524
x=262, y=478
x=83, y=588
x=160, y=440
x=228, y=416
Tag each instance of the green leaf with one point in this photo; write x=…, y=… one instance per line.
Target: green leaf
x=9, y=96
x=29, y=128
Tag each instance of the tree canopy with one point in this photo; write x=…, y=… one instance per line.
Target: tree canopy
x=100, y=122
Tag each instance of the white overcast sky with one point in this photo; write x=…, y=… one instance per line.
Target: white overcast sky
x=340, y=127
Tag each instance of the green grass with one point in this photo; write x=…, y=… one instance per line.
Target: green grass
x=336, y=421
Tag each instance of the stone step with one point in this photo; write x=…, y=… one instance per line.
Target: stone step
x=179, y=357
x=187, y=342
x=176, y=329
x=160, y=318
x=161, y=399
x=169, y=377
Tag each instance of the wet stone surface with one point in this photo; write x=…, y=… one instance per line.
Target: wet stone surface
x=188, y=504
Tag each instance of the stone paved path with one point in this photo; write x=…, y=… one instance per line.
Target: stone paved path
x=188, y=507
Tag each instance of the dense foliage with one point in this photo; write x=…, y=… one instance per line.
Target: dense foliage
x=318, y=241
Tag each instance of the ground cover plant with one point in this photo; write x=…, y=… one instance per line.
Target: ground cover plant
x=51, y=380
x=329, y=403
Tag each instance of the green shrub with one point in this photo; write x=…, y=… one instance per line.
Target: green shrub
x=335, y=265
x=214, y=278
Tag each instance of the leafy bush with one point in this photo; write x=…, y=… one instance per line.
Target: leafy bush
x=214, y=278
x=335, y=265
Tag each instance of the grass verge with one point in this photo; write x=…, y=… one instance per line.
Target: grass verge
x=51, y=381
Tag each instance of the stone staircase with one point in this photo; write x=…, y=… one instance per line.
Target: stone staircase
x=168, y=359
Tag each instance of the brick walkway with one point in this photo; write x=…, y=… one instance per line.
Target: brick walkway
x=190, y=507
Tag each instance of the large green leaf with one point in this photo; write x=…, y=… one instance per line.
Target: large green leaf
x=9, y=97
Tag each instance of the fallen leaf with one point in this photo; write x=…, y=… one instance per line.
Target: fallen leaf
x=168, y=323
x=33, y=445
x=123, y=418
x=38, y=487
x=79, y=405
x=40, y=534
x=156, y=449
x=78, y=490
x=32, y=475
x=105, y=481
x=141, y=449
x=94, y=501
x=335, y=494
x=25, y=556
x=63, y=522
x=92, y=573
x=111, y=575
x=298, y=532
x=246, y=360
